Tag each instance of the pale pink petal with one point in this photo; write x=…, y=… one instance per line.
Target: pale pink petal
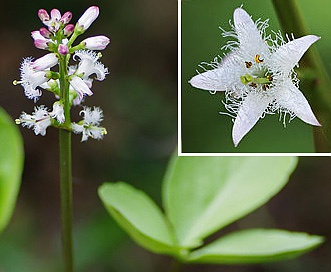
x=88, y=17
x=55, y=15
x=249, y=113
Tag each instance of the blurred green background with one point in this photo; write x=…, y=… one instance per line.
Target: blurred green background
x=203, y=128
x=139, y=99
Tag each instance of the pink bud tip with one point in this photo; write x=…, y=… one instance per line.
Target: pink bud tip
x=63, y=49
x=68, y=29
x=66, y=17
x=43, y=15
x=45, y=33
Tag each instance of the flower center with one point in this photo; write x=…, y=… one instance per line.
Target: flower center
x=259, y=78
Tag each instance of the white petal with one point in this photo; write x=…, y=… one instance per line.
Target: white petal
x=249, y=36
x=88, y=17
x=292, y=99
x=249, y=113
x=289, y=54
x=80, y=86
x=220, y=78
x=210, y=81
x=45, y=62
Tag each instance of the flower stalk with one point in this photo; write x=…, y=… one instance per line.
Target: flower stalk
x=65, y=171
x=314, y=76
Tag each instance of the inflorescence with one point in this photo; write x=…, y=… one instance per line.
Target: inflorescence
x=37, y=75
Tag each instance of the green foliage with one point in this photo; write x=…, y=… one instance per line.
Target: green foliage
x=11, y=166
x=139, y=216
x=255, y=246
x=202, y=195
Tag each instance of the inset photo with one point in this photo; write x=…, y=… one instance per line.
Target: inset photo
x=254, y=78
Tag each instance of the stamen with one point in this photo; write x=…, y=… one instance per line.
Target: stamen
x=254, y=85
x=15, y=82
x=257, y=59
x=265, y=87
x=248, y=64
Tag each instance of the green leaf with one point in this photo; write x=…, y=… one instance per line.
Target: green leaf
x=203, y=194
x=139, y=216
x=11, y=166
x=256, y=246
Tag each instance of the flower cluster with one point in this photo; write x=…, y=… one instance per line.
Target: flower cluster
x=257, y=75
x=71, y=83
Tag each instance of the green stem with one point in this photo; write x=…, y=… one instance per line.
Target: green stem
x=65, y=171
x=318, y=86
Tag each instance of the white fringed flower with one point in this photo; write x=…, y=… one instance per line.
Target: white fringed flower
x=89, y=126
x=58, y=112
x=80, y=87
x=89, y=65
x=257, y=75
x=31, y=79
x=40, y=120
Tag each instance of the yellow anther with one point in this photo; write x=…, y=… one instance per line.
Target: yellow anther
x=269, y=77
x=257, y=59
x=265, y=87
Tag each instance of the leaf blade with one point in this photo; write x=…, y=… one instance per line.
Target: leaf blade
x=139, y=216
x=204, y=194
x=255, y=246
x=11, y=167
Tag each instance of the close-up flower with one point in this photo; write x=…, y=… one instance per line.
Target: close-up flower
x=31, y=79
x=39, y=120
x=89, y=126
x=257, y=75
x=89, y=65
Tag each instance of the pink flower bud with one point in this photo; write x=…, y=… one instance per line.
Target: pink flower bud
x=45, y=62
x=55, y=14
x=68, y=29
x=43, y=15
x=40, y=41
x=63, y=49
x=88, y=17
x=66, y=17
x=45, y=33
x=96, y=42
x=41, y=44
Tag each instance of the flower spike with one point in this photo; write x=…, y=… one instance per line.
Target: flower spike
x=69, y=84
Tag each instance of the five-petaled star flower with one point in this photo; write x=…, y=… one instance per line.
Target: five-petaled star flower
x=257, y=75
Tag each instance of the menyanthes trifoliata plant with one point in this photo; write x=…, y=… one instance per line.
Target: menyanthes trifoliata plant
x=72, y=82
x=257, y=75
